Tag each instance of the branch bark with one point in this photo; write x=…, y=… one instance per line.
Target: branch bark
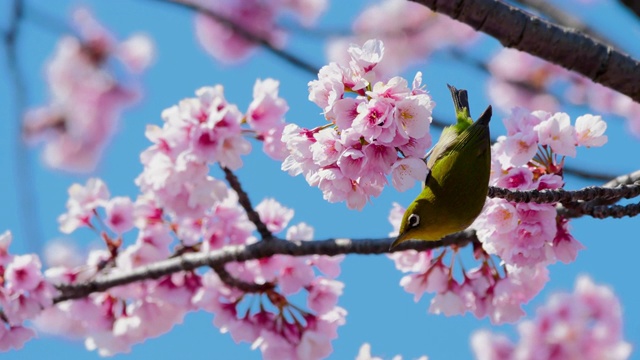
x=625, y=185
x=244, y=201
x=262, y=249
x=565, y=47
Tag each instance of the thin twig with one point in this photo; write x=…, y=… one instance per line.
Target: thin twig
x=228, y=279
x=250, y=36
x=244, y=201
x=25, y=189
x=565, y=47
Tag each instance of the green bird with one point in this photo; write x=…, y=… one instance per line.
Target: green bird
x=457, y=179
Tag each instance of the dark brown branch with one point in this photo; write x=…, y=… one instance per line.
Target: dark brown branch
x=228, y=279
x=24, y=183
x=603, y=211
x=244, y=201
x=565, y=47
x=262, y=249
x=565, y=196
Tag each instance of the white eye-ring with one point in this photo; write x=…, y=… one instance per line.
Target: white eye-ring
x=413, y=220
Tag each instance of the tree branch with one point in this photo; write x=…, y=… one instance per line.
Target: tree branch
x=565, y=47
x=228, y=279
x=566, y=196
x=633, y=5
x=244, y=201
x=262, y=249
x=628, y=184
x=253, y=37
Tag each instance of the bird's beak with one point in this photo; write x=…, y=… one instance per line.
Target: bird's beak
x=399, y=240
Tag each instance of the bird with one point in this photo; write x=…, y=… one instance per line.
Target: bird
x=457, y=181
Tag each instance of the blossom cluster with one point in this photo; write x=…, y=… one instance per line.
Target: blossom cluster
x=112, y=321
x=255, y=17
x=586, y=324
x=23, y=294
x=531, y=156
x=525, y=236
x=86, y=95
x=484, y=291
x=511, y=69
x=202, y=131
x=382, y=129
x=410, y=31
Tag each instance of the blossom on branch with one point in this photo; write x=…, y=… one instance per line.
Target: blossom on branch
x=86, y=95
x=375, y=128
x=586, y=324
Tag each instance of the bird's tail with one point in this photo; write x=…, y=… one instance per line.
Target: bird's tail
x=460, y=99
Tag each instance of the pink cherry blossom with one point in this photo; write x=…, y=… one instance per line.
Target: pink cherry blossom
x=119, y=211
x=351, y=156
x=267, y=109
x=14, y=337
x=83, y=200
x=586, y=324
x=256, y=17
x=406, y=171
x=590, y=130
x=558, y=133
x=274, y=215
x=86, y=96
x=422, y=32
x=324, y=294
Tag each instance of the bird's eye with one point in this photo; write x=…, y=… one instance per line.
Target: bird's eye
x=413, y=220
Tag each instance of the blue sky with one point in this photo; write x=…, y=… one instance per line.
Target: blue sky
x=380, y=312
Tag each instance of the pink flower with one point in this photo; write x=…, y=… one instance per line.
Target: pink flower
x=488, y=346
x=405, y=172
x=225, y=44
x=324, y=294
x=295, y=275
x=448, y=302
x=395, y=218
x=565, y=246
x=558, y=133
x=119, y=211
x=274, y=215
x=267, y=108
x=137, y=52
x=5, y=241
x=23, y=273
x=83, y=200
x=423, y=32
x=86, y=95
x=586, y=324
x=14, y=337
x=413, y=115
x=590, y=130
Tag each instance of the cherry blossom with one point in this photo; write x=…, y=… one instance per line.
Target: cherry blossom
x=86, y=96
x=585, y=324
x=255, y=17
x=383, y=129
x=410, y=32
